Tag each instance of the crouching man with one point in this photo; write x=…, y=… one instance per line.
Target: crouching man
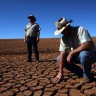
x=75, y=44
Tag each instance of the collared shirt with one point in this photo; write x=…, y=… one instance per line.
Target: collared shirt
x=32, y=30
x=79, y=35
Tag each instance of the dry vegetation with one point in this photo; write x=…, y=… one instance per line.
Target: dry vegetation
x=17, y=46
x=14, y=46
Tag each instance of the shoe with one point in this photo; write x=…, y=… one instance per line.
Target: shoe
x=29, y=60
x=84, y=80
x=37, y=61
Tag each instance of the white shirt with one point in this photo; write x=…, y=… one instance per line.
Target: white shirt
x=79, y=35
x=32, y=29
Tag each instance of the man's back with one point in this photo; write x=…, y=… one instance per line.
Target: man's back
x=78, y=36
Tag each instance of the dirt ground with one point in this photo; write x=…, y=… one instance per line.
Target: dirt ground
x=17, y=46
x=21, y=78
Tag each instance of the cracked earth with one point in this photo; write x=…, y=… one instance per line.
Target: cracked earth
x=20, y=78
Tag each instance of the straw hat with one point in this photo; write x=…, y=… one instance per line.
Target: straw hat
x=61, y=24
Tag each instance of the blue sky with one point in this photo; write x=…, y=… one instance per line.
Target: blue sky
x=13, y=16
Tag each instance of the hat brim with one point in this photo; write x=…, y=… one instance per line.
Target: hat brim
x=57, y=32
x=29, y=17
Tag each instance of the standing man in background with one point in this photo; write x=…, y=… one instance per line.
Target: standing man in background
x=32, y=33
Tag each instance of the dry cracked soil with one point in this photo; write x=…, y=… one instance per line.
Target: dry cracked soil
x=21, y=78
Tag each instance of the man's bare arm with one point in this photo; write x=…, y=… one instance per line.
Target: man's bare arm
x=63, y=56
x=82, y=47
x=38, y=36
x=25, y=38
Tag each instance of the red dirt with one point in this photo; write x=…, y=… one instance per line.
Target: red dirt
x=20, y=78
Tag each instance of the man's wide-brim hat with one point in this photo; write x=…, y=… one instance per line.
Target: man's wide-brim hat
x=61, y=25
x=32, y=17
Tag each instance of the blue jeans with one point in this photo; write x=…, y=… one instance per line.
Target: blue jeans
x=31, y=42
x=85, y=58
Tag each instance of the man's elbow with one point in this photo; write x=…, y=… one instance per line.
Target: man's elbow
x=88, y=45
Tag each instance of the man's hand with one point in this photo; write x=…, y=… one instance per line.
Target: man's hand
x=25, y=40
x=38, y=39
x=58, y=78
x=69, y=57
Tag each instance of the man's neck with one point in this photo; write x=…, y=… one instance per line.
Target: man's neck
x=31, y=23
x=68, y=33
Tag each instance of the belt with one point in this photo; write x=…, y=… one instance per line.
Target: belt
x=31, y=37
